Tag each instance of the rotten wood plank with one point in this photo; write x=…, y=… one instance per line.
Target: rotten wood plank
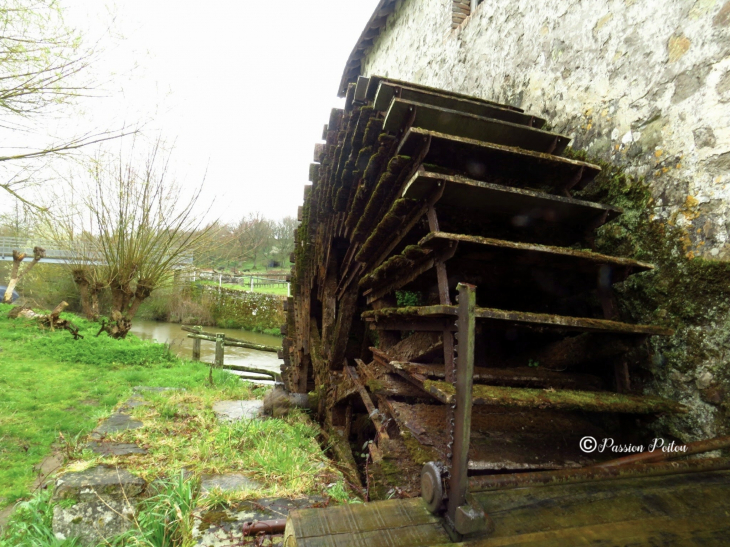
x=386, y=384
x=476, y=248
x=501, y=438
x=498, y=164
x=410, y=315
x=515, y=203
x=470, y=126
x=418, y=345
x=588, y=401
x=510, y=377
x=345, y=312
x=375, y=82
x=373, y=413
x=388, y=90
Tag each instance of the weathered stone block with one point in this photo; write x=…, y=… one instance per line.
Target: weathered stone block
x=232, y=411
x=232, y=482
x=98, y=482
x=113, y=424
x=93, y=522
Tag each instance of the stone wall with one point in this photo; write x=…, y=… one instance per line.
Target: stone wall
x=251, y=311
x=643, y=85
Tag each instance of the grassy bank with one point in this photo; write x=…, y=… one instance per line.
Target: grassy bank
x=53, y=385
x=54, y=390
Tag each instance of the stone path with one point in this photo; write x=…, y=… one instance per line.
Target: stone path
x=105, y=503
x=106, y=496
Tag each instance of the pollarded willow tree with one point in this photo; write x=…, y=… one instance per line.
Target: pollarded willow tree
x=144, y=229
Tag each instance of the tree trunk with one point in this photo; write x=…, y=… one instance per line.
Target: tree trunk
x=83, y=285
x=17, y=259
x=120, y=322
x=94, y=296
x=38, y=253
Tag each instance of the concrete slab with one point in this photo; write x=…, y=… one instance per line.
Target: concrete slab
x=222, y=527
x=102, y=481
x=114, y=423
x=93, y=522
x=131, y=403
x=233, y=411
x=232, y=482
x=115, y=449
x=141, y=390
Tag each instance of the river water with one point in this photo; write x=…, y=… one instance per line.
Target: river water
x=173, y=334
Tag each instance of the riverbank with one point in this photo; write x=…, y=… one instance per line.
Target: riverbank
x=54, y=390
x=222, y=307
x=177, y=339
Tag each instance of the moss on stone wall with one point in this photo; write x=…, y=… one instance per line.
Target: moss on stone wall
x=255, y=312
x=689, y=294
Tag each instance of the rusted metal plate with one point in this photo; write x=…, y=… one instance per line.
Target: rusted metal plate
x=511, y=318
x=375, y=82
x=678, y=510
x=391, y=523
x=588, y=401
x=470, y=126
x=522, y=206
x=504, y=439
x=498, y=164
x=389, y=90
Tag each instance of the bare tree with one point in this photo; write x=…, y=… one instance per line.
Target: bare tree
x=253, y=234
x=284, y=236
x=144, y=229
x=43, y=68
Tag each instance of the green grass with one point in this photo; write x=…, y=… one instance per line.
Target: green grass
x=270, y=289
x=56, y=389
x=181, y=431
x=52, y=385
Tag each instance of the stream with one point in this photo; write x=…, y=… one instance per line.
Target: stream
x=173, y=334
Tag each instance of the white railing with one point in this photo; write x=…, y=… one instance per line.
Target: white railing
x=56, y=252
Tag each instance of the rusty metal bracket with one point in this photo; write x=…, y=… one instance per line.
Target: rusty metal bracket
x=464, y=518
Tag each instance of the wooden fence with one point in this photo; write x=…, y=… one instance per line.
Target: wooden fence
x=221, y=341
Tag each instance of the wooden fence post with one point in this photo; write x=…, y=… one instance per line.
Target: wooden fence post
x=196, y=344
x=219, y=349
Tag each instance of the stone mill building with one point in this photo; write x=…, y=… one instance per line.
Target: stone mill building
x=643, y=88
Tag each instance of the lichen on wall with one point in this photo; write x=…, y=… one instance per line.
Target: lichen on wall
x=644, y=87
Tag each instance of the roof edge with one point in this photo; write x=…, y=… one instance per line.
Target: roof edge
x=370, y=32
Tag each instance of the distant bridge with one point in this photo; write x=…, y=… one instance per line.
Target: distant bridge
x=59, y=253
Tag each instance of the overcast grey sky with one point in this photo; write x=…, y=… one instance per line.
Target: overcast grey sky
x=243, y=88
